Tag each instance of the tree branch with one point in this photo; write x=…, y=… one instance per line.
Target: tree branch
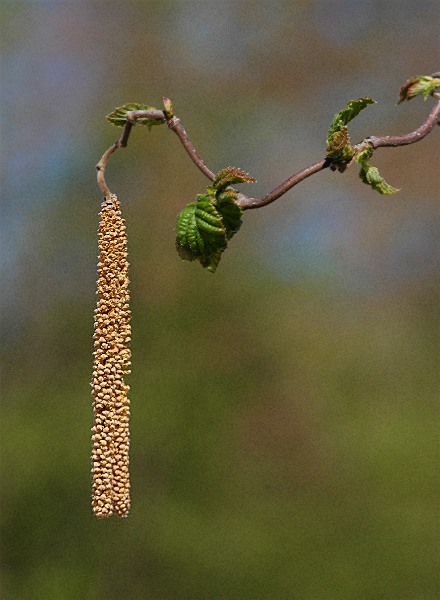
x=387, y=141
x=374, y=141
x=122, y=142
x=100, y=167
x=175, y=124
x=245, y=202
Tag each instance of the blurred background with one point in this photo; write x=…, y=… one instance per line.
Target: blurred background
x=285, y=409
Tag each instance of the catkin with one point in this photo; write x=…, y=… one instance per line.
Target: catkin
x=111, y=406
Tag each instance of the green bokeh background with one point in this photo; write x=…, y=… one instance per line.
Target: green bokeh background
x=284, y=410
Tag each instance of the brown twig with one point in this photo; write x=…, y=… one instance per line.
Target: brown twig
x=122, y=142
x=175, y=125
x=245, y=202
x=374, y=141
x=152, y=113
x=100, y=167
x=410, y=138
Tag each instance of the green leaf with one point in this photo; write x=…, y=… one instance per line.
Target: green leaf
x=188, y=243
x=347, y=114
x=424, y=85
x=119, y=116
x=229, y=176
x=201, y=234
x=205, y=226
x=338, y=140
x=208, y=218
x=231, y=215
x=370, y=175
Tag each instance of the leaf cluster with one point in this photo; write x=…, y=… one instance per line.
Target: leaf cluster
x=338, y=140
x=342, y=153
x=205, y=226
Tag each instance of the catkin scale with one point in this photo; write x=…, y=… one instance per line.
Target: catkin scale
x=111, y=406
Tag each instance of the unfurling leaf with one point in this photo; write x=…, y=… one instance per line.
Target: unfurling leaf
x=119, y=116
x=370, y=175
x=205, y=226
x=201, y=234
x=229, y=176
x=424, y=85
x=338, y=140
x=339, y=147
x=347, y=114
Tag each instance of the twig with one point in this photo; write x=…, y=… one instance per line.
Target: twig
x=410, y=138
x=153, y=113
x=175, y=125
x=246, y=202
x=122, y=142
x=376, y=142
x=100, y=167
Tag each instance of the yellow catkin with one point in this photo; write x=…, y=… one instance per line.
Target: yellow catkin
x=111, y=406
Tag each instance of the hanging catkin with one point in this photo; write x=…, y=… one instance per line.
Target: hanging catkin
x=111, y=406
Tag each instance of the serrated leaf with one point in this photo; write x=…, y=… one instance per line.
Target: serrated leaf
x=424, y=85
x=210, y=261
x=230, y=176
x=347, y=114
x=119, y=116
x=208, y=217
x=201, y=234
x=205, y=226
x=370, y=175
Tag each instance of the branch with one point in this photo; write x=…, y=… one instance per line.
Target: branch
x=175, y=124
x=387, y=141
x=131, y=116
x=100, y=167
x=243, y=201
x=374, y=141
x=246, y=203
